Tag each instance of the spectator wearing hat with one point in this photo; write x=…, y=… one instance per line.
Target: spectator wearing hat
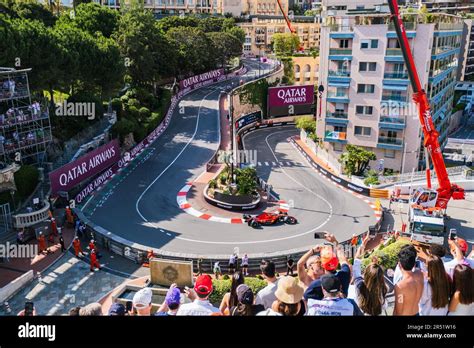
x=369, y=286
x=200, y=305
x=288, y=295
x=171, y=303
x=330, y=261
x=142, y=302
x=266, y=296
x=309, y=266
x=332, y=303
x=462, y=301
x=229, y=299
x=459, y=249
x=245, y=303
x=117, y=310
x=409, y=289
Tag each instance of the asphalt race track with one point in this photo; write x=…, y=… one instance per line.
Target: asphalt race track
x=143, y=208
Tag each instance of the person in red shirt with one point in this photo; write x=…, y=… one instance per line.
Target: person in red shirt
x=54, y=227
x=41, y=243
x=92, y=246
x=94, y=262
x=76, y=243
x=69, y=216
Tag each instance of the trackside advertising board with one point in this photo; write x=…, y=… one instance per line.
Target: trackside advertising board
x=202, y=79
x=290, y=100
x=71, y=174
x=248, y=119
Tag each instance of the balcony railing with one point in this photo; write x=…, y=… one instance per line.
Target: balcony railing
x=339, y=73
x=340, y=51
x=342, y=115
x=394, y=52
x=396, y=98
x=338, y=95
x=394, y=120
x=407, y=25
x=390, y=141
x=449, y=26
x=395, y=75
x=340, y=28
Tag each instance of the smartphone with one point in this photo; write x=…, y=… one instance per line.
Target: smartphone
x=129, y=306
x=319, y=235
x=29, y=307
x=452, y=234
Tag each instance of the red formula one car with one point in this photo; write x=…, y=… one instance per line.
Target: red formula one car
x=269, y=218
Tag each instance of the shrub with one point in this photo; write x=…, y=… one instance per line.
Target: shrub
x=371, y=180
x=307, y=123
x=222, y=286
x=387, y=255
x=144, y=113
x=213, y=184
x=134, y=102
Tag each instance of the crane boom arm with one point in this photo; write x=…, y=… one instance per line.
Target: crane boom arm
x=287, y=20
x=446, y=190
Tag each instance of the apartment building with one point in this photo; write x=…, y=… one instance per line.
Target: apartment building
x=235, y=7
x=368, y=97
x=259, y=31
x=466, y=71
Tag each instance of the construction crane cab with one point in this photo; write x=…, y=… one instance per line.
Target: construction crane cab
x=424, y=198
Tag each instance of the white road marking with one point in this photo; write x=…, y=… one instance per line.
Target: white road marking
x=266, y=163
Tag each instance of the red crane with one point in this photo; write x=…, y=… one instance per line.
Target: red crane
x=446, y=190
x=287, y=19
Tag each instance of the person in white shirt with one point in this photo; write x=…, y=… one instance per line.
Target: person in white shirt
x=266, y=296
x=436, y=290
x=245, y=265
x=200, y=305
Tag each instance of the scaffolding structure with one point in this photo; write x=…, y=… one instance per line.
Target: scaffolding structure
x=25, y=128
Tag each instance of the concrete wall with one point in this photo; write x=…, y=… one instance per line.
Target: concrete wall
x=12, y=288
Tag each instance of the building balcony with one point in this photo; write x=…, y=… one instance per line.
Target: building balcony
x=337, y=118
x=335, y=137
x=393, y=52
x=337, y=28
x=390, y=143
x=340, y=51
x=408, y=26
x=339, y=73
x=335, y=97
x=394, y=98
x=395, y=123
x=395, y=75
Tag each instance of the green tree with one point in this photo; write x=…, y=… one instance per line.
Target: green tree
x=93, y=18
x=148, y=54
x=34, y=11
x=170, y=22
x=225, y=46
x=307, y=123
x=284, y=45
x=238, y=32
x=356, y=159
x=194, y=55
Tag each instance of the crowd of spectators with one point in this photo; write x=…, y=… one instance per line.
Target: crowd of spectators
x=327, y=284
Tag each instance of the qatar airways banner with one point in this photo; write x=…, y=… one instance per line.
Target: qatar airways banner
x=290, y=100
x=71, y=174
x=291, y=95
x=202, y=79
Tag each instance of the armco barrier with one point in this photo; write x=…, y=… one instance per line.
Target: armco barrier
x=347, y=184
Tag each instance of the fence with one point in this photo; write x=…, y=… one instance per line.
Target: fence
x=31, y=219
x=407, y=177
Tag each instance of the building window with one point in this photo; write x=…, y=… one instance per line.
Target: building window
x=389, y=153
x=367, y=66
x=365, y=88
x=363, y=131
x=364, y=110
x=365, y=44
x=344, y=44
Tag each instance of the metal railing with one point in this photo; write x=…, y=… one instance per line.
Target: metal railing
x=396, y=120
x=406, y=177
x=395, y=75
x=338, y=95
x=336, y=115
x=397, y=98
x=390, y=141
x=340, y=51
x=339, y=73
x=393, y=52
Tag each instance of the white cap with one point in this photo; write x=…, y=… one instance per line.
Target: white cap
x=142, y=298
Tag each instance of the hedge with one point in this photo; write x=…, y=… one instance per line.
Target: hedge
x=387, y=254
x=222, y=286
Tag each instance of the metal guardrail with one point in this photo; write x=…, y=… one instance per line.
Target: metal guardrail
x=459, y=170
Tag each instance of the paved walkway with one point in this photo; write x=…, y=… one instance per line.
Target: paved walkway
x=67, y=284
